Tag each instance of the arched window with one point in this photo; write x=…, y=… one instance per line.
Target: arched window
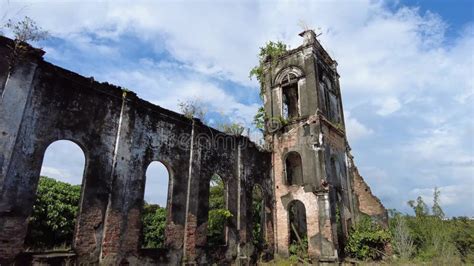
x=218, y=213
x=56, y=206
x=258, y=218
x=322, y=97
x=290, y=97
x=294, y=169
x=331, y=104
x=155, y=205
x=298, y=229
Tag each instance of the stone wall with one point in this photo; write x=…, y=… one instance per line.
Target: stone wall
x=120, y=135
x=367, y=202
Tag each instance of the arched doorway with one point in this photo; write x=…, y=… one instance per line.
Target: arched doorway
x=294, y=169
x=258, y=218
x=218, y=212
x=155, y=204
x=56, y=207
x=298, y=237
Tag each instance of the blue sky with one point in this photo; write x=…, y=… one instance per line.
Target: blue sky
x=407, y=76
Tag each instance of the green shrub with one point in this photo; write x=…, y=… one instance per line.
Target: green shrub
x=367, y=240
x=54, y=214
x=299, y=249
x=154, y=225
x=216, y=226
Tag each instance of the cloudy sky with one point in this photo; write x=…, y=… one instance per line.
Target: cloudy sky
x=407, y=76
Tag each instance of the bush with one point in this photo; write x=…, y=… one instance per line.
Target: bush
x=216, y=226
x=154, y=225
x=299, y=250
x=367, y=240
x=54, y=214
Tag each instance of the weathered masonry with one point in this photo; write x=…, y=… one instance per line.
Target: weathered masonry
x=310, y=185
x=316, y=183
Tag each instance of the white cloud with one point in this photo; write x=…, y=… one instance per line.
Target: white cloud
x=395, y=64
x=356, y=130
x=64, y=161
x=449, y=195
x=161, y=86
x=387, y=106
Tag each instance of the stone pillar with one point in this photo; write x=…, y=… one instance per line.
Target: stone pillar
x=327, y=247
x=122, y=221
x=194, y=229
x=233, y=201
x=13, y=215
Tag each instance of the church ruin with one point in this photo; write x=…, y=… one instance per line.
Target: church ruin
x=310, y=185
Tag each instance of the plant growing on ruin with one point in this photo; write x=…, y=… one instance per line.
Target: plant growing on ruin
x=299, y=251
x=260, y=118
x=193, y=109
x=270, y=51
x=25, y=30
x=235, y=129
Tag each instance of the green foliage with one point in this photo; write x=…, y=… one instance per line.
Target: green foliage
x=429, y=238
x=54, y=214
x=259, y=119
x=367, y=240
x=419, y=207
x=299, y=250
x=216, y=193
x=270, y=51
x=436, y=209
x=193, y=109
x=232, y=128
x=218, y=214
x=463, y=238
x=24, y=31
x=402, y=241
x=257, y=212
x=216, y=226
x=154, y=225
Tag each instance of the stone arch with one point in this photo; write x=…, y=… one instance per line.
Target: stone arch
x=258, y=217
x=217, y=232
x=293, y=168
x=64, y=150
x=288, y=74
x=67, y=141
x=287, y=80
x=161, y=165
x=328, y=83
x=156, y=205
x=297, y=227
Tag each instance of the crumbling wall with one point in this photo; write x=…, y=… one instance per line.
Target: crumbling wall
x=367, y=203
x=120, y=135
x=317, y=134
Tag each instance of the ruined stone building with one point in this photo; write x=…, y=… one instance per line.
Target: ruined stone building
x=311, y=188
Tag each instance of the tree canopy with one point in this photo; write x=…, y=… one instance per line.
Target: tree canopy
x=54, y=214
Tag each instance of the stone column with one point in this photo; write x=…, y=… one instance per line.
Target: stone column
x=13, y=214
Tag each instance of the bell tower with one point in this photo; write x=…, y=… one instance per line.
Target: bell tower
x=306, y=133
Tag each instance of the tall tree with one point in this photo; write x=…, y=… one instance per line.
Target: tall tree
x=436, y=209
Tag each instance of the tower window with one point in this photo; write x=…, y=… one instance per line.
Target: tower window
x=294, y=169
x=290, y=100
